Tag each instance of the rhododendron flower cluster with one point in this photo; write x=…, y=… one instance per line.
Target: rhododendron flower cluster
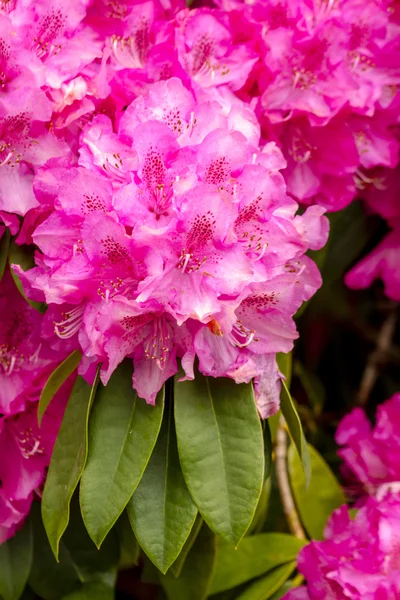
x=358, y=559
x=181, y=244
x=26, y=362
x=383, y=261
x=164, y=230
x=371, y=454
x=325, y=86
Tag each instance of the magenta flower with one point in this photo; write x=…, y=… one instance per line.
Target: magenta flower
x=326, y=77
x=25, y=145
x=207, y=52
x=371, y=454
x=28, y=450
x=57, y=36
x=26, y=359
x=28, y=355
x=381, y=263
x=359, y=559
x=317, y=171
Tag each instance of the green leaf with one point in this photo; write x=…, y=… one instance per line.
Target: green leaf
x=123, y=430
x=323, y=495
x=48, y=578
x=4, y=247
x=23, y=256
x=92, y=591
x=68, y=461
x=55, y=381
x=15, y=563
x=268, y=585
x=128, y=544
x=296, y=430
x=285, y=364
x=260, y=516
x=177, y=566
x=273, y=423
x=161, y=510
x=194, y=580
x=221, y=451
x=256, y=555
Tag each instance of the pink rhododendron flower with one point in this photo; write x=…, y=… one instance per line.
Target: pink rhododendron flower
x=28, y=450
x=26, y=359
x=358, y=559
x=382, y=194
x=382, y=263
x=324, y=73
x=371, y=453
x=25, y=145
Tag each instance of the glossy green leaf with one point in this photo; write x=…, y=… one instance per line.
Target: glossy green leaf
x=161, y=511
x=48, y=578
x=123, y=430
x=23, y=256
x=285, y=364
x=194, y=580
x=323, y=495
x=296, y=430
x=273, y=423
x=56, y=380
x=15, y=563
x=256, y=555
x=92, y=591
x=177, y=566
x=264, y=588
x=68, y=461
x=128, y=545
x=4, y=248
x=260, y=515
x=221, y=451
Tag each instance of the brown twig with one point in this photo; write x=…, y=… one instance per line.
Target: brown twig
x=376, y=358
x=285, y=491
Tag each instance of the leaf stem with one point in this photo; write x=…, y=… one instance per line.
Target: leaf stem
x=285, y=491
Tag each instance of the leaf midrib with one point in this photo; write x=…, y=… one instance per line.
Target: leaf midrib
x=222, y=454
x=167, y=447
x=117, y=463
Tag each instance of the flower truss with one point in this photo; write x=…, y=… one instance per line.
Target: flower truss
x=358, y=559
